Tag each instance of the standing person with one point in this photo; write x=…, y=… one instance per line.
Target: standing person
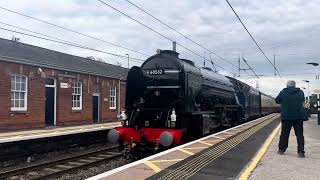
x=292, y=115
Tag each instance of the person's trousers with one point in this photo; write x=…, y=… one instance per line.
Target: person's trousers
x=285, y=132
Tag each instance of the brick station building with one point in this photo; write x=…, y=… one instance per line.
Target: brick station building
x=41, y=87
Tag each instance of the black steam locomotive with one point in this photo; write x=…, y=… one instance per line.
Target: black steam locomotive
x=170, y=100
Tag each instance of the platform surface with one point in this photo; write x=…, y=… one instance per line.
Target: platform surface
x=56, y=131
x=152, y=166
x=289, y=166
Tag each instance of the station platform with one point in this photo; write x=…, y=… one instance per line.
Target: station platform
x=222, y=155
x=289, y=166
x=54, y=131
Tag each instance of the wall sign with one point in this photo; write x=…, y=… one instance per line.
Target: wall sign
x=64, y=85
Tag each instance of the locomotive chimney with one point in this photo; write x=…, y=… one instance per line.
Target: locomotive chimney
x=174, y=46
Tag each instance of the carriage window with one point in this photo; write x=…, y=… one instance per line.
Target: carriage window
x=18, y=92
x=77, y=96
x=113, y=97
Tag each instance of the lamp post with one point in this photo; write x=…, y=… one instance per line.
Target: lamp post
x=315, y=64
x=308, y=100
x=128, y=59
x=308, y=82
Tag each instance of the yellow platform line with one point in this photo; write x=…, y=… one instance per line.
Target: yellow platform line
x=222, y=138
x=206, y=143
x=185, y=151
x=199, y=147
x=165, y=160
x=229, y=133
x=212, y=141
x=152, y=166
x=246, y=173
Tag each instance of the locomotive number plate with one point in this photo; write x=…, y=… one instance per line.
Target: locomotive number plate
x=155, y=72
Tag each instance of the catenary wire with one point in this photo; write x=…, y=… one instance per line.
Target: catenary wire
x=255, y=41
x=250, y=67
x=72, y=44
x=170, y=27
x=160, y=34
x=73, y=31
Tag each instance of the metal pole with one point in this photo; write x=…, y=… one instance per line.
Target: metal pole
x=204, y=58
x=274, y=63
x=174, y=46
x=318, y=109
x=308, y=93
x=119, y=95
x=239, y=65
x=308, y=102
x=128, y=61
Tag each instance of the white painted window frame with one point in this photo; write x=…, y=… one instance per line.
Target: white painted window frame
x=74, y=94
x=25, y=106
x=113, y=88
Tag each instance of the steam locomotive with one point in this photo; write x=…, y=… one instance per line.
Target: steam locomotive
x=169, y=101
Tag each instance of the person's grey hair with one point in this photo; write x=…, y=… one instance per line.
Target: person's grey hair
x=291, y=83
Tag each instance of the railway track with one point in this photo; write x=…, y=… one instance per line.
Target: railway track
x=62, y=166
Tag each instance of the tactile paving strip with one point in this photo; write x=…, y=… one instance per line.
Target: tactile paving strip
x=192, y=166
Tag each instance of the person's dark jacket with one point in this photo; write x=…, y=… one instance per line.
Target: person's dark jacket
x=291, y=100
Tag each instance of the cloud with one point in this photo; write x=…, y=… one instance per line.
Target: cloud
x=288, y=29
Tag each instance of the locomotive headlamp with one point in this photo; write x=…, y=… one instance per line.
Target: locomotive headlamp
x=157, y=93
x=122, y=116
x=173, y=116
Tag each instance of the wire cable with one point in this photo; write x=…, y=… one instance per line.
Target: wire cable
x=170, y=27
x=254, y=40
x=160, y=34
x=72, y=44
x=73, y=31
x=250, y=67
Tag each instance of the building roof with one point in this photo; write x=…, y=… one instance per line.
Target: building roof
x=16, y=52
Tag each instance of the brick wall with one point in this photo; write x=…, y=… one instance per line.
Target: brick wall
x=34, y=117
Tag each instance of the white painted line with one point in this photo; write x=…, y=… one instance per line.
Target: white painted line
x=141, y=161
x=51, y=134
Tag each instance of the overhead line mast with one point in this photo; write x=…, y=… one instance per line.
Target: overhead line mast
x=256, y=43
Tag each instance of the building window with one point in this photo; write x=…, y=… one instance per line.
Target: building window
x=18, y=92
x=113, y=97
x=77, y=96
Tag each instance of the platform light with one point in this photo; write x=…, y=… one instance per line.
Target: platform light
x=315, y=64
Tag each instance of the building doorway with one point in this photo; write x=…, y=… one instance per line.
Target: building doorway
x=50, y=104
x=95, y=108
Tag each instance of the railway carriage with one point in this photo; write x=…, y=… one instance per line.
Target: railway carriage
x=268, y=104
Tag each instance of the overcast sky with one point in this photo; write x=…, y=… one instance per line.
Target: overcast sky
x=288, y=29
